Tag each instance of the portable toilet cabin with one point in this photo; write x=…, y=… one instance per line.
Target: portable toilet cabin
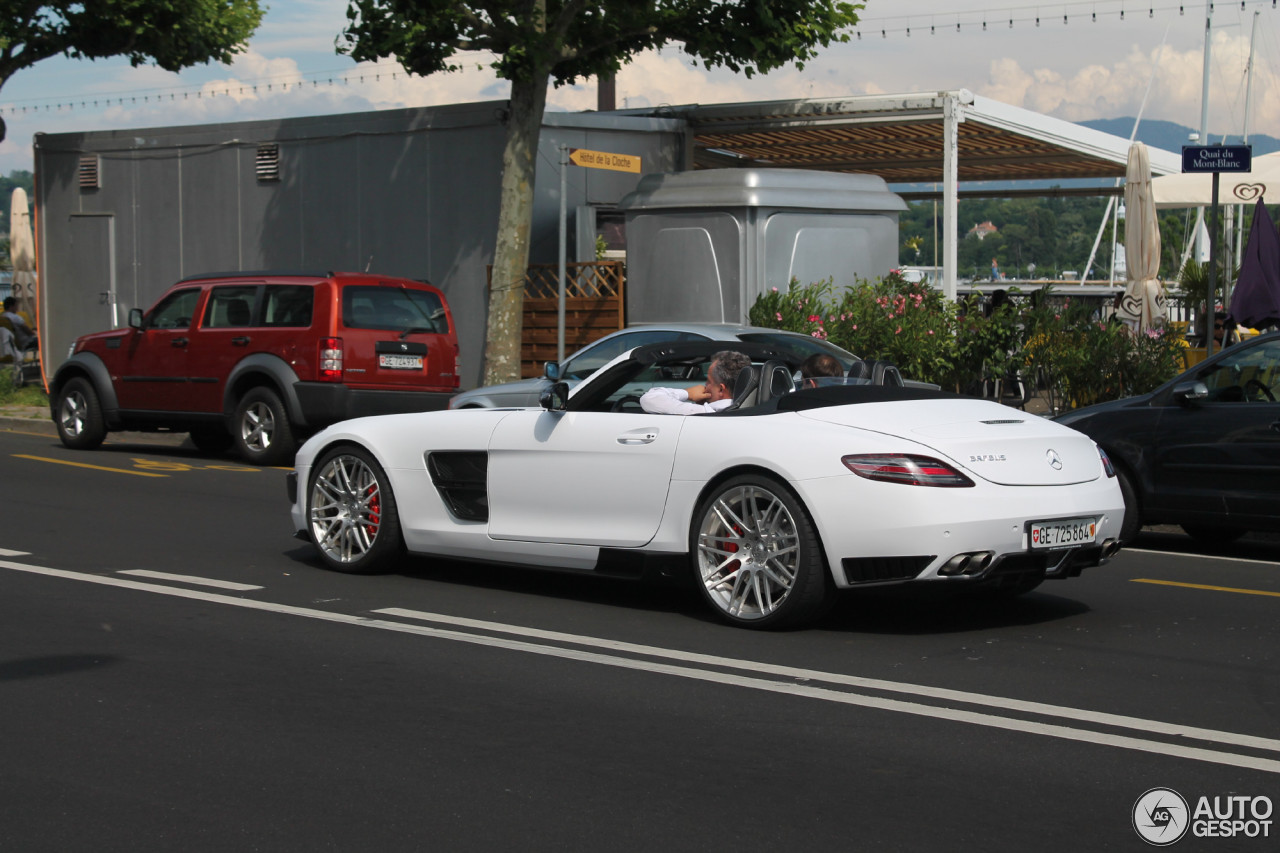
x=702, y=245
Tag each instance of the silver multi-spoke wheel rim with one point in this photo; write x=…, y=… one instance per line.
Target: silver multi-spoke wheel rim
x=748, y=552
x=73, y=413
x=346, y=508
x=258, y=426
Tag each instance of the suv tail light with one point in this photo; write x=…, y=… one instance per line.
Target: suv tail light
x=330, y=360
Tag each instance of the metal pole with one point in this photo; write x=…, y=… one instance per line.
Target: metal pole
x=564, y=215
x=1213, y=271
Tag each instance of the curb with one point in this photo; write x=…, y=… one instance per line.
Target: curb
x=39, y=426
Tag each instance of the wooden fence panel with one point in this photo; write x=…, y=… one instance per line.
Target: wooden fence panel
x=593, y=308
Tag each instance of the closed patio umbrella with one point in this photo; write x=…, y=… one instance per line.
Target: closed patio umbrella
x=1255, y=303
x=1142, y=305
x=22, y=253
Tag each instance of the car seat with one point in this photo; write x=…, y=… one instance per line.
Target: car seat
x=775, y=380
x=875, y=371
x=745, y=388
x=237, y=312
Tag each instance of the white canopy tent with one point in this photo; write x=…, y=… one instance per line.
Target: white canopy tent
x=940, y=137
x=1196, y=190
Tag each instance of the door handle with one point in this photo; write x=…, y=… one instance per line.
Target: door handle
x=240, y=341
x=641, y=437
x=1275, y=425
x=178, y=342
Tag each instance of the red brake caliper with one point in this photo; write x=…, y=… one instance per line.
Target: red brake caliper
x=375, y=510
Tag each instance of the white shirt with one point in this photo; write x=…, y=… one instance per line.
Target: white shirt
x=675, y=401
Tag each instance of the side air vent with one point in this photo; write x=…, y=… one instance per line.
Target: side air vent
x=459, y=477
x=90, y=178
x=268, y=162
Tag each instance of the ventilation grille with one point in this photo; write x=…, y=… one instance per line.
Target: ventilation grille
x=89, y=173
x=268, y=162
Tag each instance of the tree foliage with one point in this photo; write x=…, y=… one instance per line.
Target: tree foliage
x=537, y=42
x=173, y=34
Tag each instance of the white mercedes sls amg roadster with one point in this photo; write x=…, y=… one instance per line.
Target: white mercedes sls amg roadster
x=769, y=507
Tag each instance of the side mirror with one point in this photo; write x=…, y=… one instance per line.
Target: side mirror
x=135, y=318
x=551, y=370
x=555, y=398
x=1190, y=392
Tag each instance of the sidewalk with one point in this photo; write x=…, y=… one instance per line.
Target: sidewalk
x=34, y=419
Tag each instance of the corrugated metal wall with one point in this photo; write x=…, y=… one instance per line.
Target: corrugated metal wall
x=410, y=193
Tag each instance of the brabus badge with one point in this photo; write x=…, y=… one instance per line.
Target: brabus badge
x=1054, y=460
x=987, y=457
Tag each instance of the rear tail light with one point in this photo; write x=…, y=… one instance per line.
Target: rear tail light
x=906, y=469
x=330, y=359
x=1106, y=463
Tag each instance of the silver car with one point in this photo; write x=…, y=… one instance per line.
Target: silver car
x=593, y=356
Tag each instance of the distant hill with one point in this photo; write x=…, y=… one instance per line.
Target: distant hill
x=1171, y=137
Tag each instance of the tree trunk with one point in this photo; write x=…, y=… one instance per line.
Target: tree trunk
x=515, y=221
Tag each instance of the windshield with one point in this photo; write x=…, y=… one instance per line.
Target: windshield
x=799, y=346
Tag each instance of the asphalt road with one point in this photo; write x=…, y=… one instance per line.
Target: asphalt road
x=177, y=672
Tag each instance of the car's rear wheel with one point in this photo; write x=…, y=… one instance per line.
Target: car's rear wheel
x=80, y=421
x=757, y=557
x=351, y=512
x=1132, y=509
x=262, y=433
x=211, y=439
x=1213, y=534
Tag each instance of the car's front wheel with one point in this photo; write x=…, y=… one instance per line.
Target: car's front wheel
x=757, y=557
x=262, y=433
x=351, y=512
x=80, y=421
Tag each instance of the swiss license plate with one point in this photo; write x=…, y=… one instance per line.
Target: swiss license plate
x=400, y=362
x=1065, y=533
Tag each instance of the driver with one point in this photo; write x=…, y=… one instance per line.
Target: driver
x=714, y=395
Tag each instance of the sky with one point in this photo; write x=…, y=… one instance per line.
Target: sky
x=1073, y=60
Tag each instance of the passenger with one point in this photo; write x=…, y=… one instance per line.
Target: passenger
x=714, y=395
x=818, y=365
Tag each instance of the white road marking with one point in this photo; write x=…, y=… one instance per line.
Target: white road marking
x=804, y=690
x=1003, y=703
x=5, y=552
x=166, y=576
x=1269, y=563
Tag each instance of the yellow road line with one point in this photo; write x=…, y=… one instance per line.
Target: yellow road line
x=86, y=465
x=1207, y=586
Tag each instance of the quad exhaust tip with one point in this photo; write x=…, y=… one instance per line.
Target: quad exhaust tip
x=971, y=563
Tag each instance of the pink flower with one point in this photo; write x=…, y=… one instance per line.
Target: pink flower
x=931, y=331
x=814, y=318
x=855, y=327
x=898, y=331
x=774, y=289
x=779, y=316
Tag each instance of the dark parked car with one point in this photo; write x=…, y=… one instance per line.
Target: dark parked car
x=260, y=360
x=1202, y=450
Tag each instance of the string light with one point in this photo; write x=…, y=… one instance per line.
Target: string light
x=885, y=31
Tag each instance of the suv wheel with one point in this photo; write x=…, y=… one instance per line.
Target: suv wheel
x=262, y=433
x=79, y=415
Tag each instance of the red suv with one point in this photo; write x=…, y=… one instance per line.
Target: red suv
x=257, y=360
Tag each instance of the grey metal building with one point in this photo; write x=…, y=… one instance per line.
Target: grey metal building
x=121, y=215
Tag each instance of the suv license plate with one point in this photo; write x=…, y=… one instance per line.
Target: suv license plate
x=400, y=362
x=1067, y=533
